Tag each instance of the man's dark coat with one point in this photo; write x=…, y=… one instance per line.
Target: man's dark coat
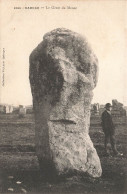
x=107, y=123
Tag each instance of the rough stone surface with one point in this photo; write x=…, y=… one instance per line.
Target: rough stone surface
x=63, y=73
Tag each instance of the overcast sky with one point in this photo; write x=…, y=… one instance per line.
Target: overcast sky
x=101, y=22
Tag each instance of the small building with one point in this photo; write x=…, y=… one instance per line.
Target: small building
x=22, y=110
x=118, y=109
x=29, y=109
x=16, y=109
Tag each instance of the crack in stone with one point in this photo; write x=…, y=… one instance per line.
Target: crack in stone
x=64, y=121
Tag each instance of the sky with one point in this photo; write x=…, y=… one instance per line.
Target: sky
x=103, y=23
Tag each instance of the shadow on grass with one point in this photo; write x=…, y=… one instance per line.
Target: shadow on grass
x=32, y=181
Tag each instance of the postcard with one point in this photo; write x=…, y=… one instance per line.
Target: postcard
x=55, y=55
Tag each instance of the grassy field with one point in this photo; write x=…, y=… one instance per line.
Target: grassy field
x=19, y=170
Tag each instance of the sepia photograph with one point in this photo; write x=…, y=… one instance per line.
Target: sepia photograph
x=63, y=96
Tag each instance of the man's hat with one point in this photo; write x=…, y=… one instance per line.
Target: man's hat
x=108, y=105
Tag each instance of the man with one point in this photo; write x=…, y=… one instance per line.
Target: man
x=109, y=129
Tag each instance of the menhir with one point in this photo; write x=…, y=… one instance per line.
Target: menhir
x=63, y=73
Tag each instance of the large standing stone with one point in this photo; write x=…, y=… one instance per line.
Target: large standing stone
x=63, y=73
